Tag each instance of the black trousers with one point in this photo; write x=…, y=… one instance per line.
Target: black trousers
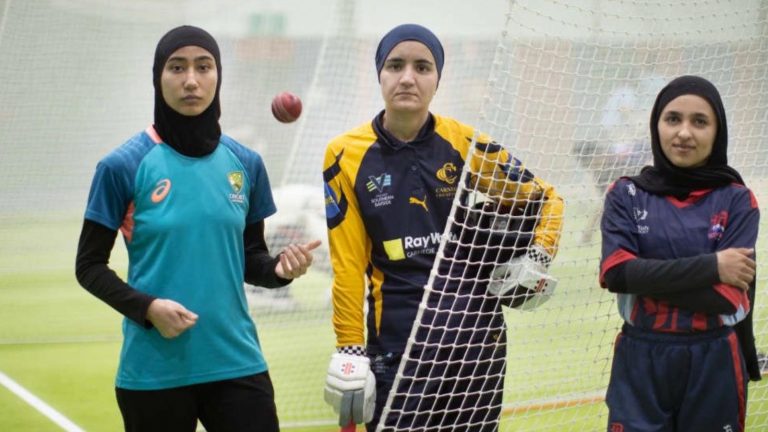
x=236, y=405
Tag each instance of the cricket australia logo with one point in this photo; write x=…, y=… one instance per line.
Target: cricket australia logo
x=236, y=182
x=380, y=184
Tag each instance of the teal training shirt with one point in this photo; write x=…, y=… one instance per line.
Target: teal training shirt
x=183, y=219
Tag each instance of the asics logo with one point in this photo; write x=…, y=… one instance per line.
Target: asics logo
x=161, y=190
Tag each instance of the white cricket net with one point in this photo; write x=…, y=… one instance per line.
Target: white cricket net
x=570, y=92
x=77, y=83
x=565, y=87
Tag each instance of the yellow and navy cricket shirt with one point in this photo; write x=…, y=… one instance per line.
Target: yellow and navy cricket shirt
x=387, y=203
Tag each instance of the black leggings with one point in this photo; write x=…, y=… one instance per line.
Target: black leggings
x=240, y=404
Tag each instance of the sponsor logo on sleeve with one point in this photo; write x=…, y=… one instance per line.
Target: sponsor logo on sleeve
x=331, y=203
x=631, y=189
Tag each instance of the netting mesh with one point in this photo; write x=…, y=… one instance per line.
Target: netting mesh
x=570, y=93
x=566, y=88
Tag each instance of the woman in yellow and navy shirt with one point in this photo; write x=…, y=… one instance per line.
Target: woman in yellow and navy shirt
x=390, y=186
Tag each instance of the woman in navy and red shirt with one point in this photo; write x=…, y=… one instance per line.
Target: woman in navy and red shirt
x=678, y=250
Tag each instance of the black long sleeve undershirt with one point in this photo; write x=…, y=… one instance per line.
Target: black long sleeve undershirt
x=94, y=274
x=259, y=265
x=683, y=282
x=746, y=334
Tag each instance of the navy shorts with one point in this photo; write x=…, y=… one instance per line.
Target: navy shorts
x=677, y=382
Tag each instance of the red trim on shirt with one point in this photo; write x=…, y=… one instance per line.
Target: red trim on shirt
x=752, y=199
x=699, y=321
x=735, y=296
x=128, y=223
x=690, y=199
x=616, y=258
x=673, y=324
x=650, y=306
x=739, y=374
x=150, y=130
x=662, y=315
x=635, y=309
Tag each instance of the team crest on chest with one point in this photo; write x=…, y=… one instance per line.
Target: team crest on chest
x=718, y=221
x=448, y=175
x=236, y=182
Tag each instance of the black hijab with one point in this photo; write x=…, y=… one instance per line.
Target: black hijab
x=189, y=135
x=664, y=178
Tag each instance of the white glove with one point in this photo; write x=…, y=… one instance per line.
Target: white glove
x=350, y=388
x=528, y=272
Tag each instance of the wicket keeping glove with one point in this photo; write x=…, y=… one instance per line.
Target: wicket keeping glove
x=350, y=388
x=525, y=278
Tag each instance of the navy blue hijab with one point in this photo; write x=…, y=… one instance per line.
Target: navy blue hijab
x=410, y=32
x=664, y=178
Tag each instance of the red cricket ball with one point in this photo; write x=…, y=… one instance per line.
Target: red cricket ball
x=286, y=107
